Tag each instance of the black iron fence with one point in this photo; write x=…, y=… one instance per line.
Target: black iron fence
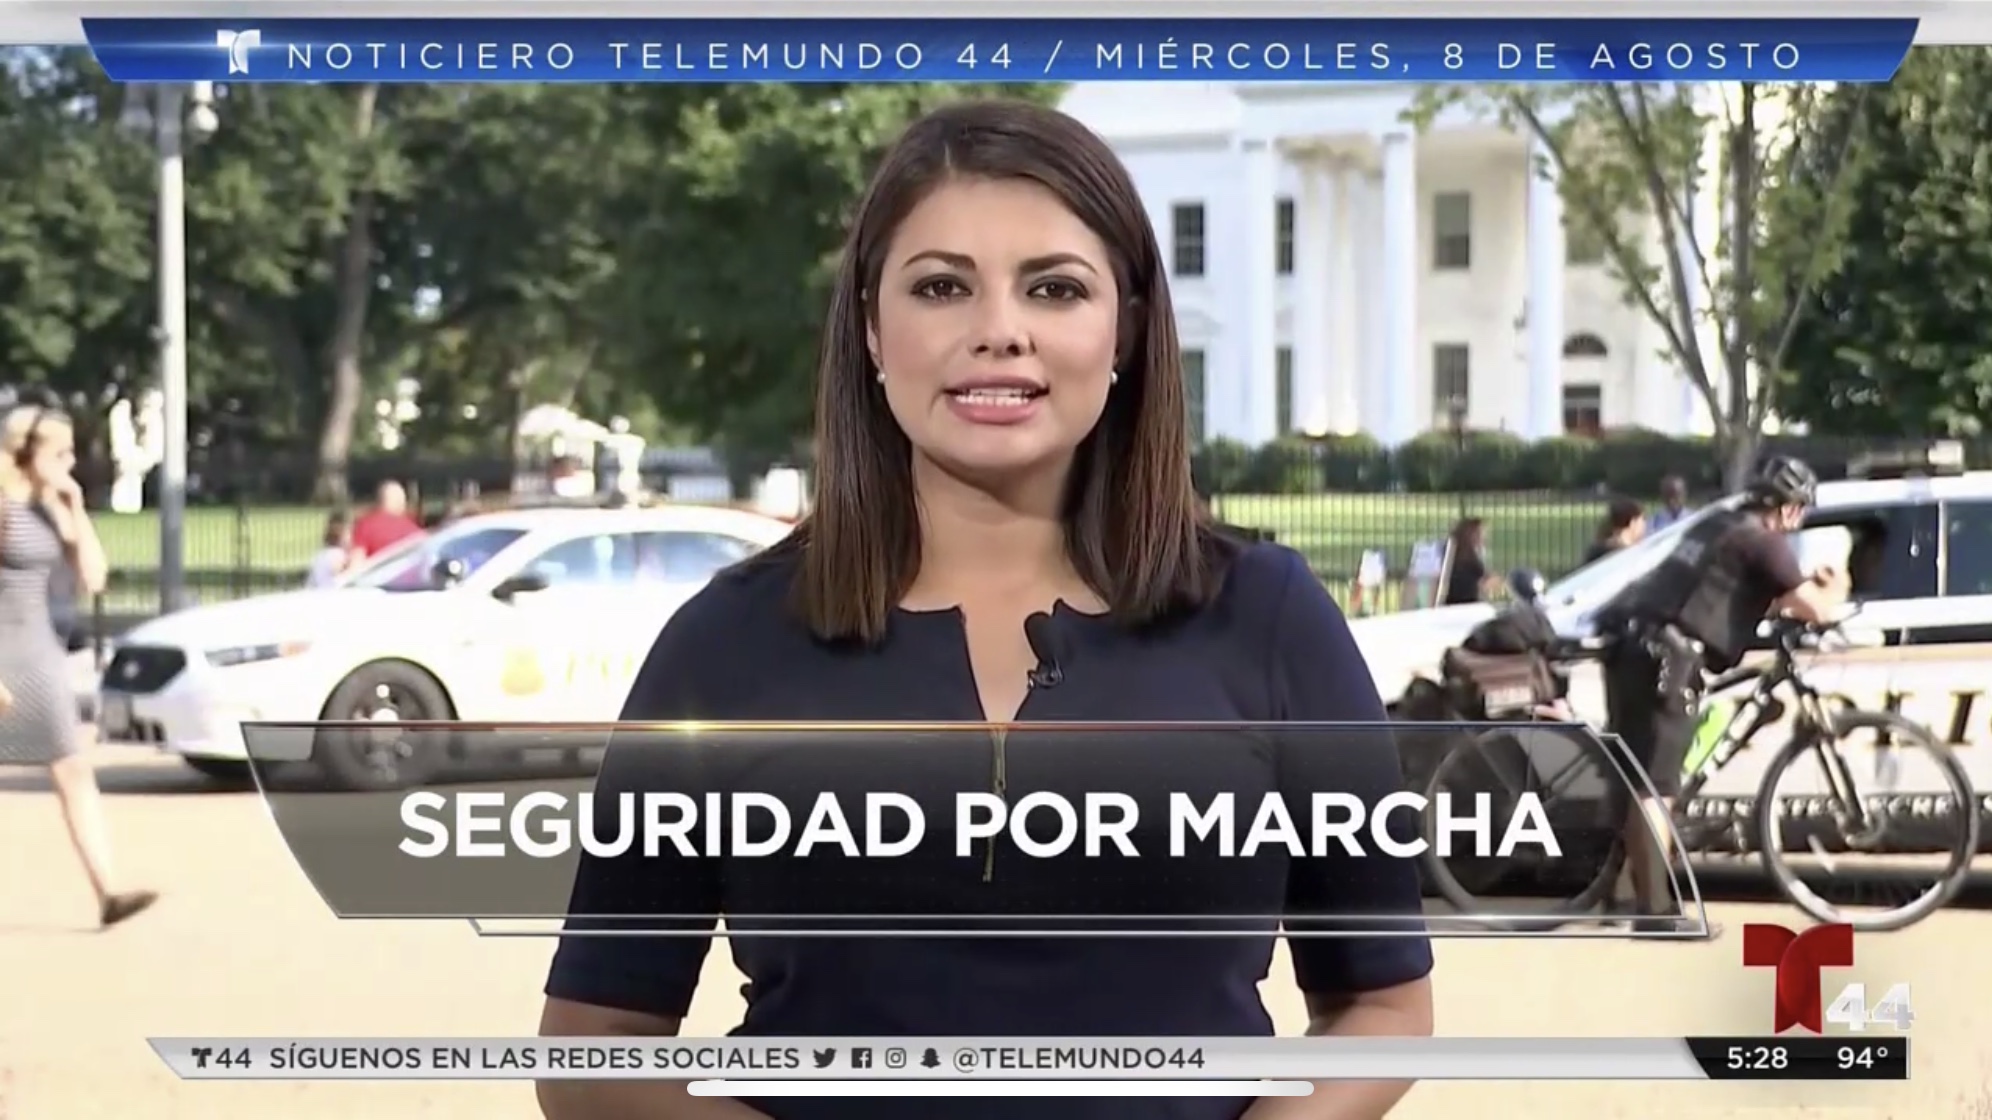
x=251, y=528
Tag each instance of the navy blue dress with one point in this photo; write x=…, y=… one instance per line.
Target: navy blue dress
x=1272, y=647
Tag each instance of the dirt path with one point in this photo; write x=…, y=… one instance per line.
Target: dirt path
x=241, y=946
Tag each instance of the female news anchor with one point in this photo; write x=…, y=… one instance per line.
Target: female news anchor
x=1001, y=433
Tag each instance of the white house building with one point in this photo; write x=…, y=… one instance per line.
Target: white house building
x=1335, y=270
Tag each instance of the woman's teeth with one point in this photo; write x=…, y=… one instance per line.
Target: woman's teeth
x=995, y=397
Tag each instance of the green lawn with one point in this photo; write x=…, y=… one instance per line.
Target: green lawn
x=1333, y=530
x=231, y=552
x=267, y=539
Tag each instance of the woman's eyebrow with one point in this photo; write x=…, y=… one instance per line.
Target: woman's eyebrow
x=966, y=263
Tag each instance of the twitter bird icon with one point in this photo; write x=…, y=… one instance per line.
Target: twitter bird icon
x=824, y=1057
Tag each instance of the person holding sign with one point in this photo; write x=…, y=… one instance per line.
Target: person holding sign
x=1466, y=579
x=1003, y=531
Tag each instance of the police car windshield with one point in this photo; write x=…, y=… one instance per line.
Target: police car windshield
x=1592, y=582
x=416, y=568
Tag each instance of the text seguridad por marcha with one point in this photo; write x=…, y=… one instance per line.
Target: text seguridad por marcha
x=543, y=824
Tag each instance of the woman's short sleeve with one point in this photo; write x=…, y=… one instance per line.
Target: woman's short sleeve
x=1319, y=676
x=652, y=975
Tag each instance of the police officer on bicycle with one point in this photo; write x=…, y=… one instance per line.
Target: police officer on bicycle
x=1696, y=612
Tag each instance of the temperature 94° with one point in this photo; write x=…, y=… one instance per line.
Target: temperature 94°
x=1854, y=1058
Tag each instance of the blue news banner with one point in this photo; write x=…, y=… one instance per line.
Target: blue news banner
x=996, y=50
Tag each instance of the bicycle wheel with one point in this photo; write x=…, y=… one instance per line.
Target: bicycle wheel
x=1956, y=850
x=1495, y=762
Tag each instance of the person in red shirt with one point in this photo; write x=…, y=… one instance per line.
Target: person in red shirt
x=385, y=525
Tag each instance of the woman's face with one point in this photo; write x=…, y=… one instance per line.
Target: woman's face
x=995, y=327
x=54, y=455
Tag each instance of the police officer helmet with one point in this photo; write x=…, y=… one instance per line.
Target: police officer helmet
x=1526, y=585
x=1784, y=481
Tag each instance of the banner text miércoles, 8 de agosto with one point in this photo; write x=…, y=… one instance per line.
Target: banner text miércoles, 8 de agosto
x=958, y=50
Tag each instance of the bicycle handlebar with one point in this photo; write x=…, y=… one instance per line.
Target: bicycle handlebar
x=1788, y=632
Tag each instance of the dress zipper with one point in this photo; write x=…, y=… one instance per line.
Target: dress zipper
x=999, y=773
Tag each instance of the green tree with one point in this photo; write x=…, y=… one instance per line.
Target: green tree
x=1632, y=160
x=287, y=204
x=726, y=243
x=75, y=236
x=1900, y=342
x=519, y=242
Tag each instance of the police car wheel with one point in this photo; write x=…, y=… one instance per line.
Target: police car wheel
x=363, y=758
x=223, y=771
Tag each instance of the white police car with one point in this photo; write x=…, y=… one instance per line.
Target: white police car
x=1921, y=562
x=541, y=614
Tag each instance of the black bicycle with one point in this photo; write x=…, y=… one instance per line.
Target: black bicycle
x=1843, y=818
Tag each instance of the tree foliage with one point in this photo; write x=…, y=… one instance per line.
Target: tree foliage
x=653, y=251
x=1719, y=208
x=1900, y=340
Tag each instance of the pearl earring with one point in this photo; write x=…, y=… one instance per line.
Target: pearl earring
x=1113, y=377
x=881, y=377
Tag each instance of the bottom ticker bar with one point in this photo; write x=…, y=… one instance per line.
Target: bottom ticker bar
x=999, y=1089
x=978, y=1063
x=1802, y=1059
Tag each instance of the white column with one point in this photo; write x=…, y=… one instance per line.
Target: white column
x=1545, y=313
x=1257, y=359
x=1314, y=364
x=1366, y=234
x=1344, y=293
x=1398, y=280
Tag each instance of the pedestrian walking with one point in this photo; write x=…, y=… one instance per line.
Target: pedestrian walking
x=43, y=525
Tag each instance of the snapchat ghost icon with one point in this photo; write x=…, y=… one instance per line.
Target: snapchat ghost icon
x=521, y=675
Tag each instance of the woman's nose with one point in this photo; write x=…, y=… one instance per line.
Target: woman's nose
x=1000, y=331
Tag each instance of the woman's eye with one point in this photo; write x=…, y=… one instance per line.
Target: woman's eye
x=940, y=287
x=1058, y=291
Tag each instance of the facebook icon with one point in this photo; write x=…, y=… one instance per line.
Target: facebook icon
x=861, y=1057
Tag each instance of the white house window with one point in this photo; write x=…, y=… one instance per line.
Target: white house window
x=1583, y=245
x=1283, y=409
x=1187, y=238
x=1193, y=393
x=1584, y=346
x=1583, y=410
x=1452, y=231
x=1452, y=384
x=1283, y=234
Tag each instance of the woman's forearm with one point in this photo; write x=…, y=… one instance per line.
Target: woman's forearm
x=635, y=1100
x=1348, y=1100
x=92, y=566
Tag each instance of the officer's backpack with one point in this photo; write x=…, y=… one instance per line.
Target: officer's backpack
x=1694, y=588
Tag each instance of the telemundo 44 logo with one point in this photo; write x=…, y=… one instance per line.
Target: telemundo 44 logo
x=238, y=44
x=1798, y=959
